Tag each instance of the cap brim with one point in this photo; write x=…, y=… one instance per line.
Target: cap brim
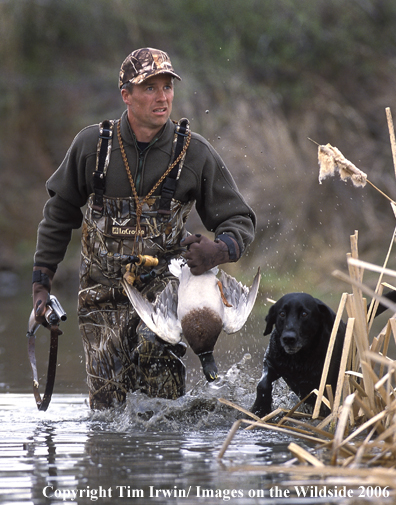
x=146, y=75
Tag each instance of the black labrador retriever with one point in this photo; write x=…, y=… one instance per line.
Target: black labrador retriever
x=298, y=347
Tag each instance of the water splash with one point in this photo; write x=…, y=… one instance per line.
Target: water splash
x=198, y=409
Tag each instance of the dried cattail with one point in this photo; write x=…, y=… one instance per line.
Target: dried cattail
x=331, y=159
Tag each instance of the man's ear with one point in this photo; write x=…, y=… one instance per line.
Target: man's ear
x=125, y=94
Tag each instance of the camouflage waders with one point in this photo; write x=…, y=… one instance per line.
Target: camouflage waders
x=121, y=353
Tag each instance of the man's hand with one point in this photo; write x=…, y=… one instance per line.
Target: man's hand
x=203, y=254
x=42, y=280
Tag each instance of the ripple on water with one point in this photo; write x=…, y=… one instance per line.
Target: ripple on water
x=146, y=442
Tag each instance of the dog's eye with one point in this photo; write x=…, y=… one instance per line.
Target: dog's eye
x=304, y=314
x=282, y=314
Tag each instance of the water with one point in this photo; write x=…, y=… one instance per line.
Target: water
x=145, y=450
x=148, y=451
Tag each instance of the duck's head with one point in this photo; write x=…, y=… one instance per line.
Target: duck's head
x=208, y=366
x=201, y=328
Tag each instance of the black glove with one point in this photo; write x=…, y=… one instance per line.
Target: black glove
x=42, y=281
x=203, y=254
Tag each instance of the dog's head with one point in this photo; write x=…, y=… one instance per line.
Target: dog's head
x=299, y=320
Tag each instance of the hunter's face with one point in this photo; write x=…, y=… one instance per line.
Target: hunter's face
x=150, y=104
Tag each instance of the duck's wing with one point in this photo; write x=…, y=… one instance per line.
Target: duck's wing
x=160, y=316
x=241, y=299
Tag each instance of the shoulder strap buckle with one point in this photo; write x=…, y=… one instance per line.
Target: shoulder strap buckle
x=102, y=162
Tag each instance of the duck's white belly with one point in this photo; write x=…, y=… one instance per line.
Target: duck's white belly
x=198, y=291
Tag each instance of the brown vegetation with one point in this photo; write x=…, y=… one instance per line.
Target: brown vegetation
x=360, y=432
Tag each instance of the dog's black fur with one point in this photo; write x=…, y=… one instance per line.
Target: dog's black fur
x=298, y=346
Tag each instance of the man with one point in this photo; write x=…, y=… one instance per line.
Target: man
x=139, y=176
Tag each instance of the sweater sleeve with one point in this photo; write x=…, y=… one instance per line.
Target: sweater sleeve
x=55, y=230
x=220, y=205
x=68, y=192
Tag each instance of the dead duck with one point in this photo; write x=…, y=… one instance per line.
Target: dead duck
x=199, y=307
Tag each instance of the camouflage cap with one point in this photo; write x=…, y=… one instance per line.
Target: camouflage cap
x=144, y=63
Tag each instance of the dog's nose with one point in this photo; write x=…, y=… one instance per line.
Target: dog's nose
x=289, y=338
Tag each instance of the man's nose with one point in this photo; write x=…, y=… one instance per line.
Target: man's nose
x=161, y=95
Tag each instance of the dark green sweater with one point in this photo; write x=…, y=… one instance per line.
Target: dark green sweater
x=204, y=178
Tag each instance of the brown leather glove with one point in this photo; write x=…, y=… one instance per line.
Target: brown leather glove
x=42, y=282
x=203, y=254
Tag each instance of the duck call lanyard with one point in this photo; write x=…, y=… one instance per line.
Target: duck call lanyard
x=140, y=203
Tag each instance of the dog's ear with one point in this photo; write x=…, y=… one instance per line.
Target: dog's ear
x=328, y=315
x=270, y=319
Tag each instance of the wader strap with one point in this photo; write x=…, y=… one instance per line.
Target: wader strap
x=102, y=162
x=169, y=185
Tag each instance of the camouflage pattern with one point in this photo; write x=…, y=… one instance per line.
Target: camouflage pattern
x=121, y=353
x=160, y=372
x=144, y=63
x=108, y=239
